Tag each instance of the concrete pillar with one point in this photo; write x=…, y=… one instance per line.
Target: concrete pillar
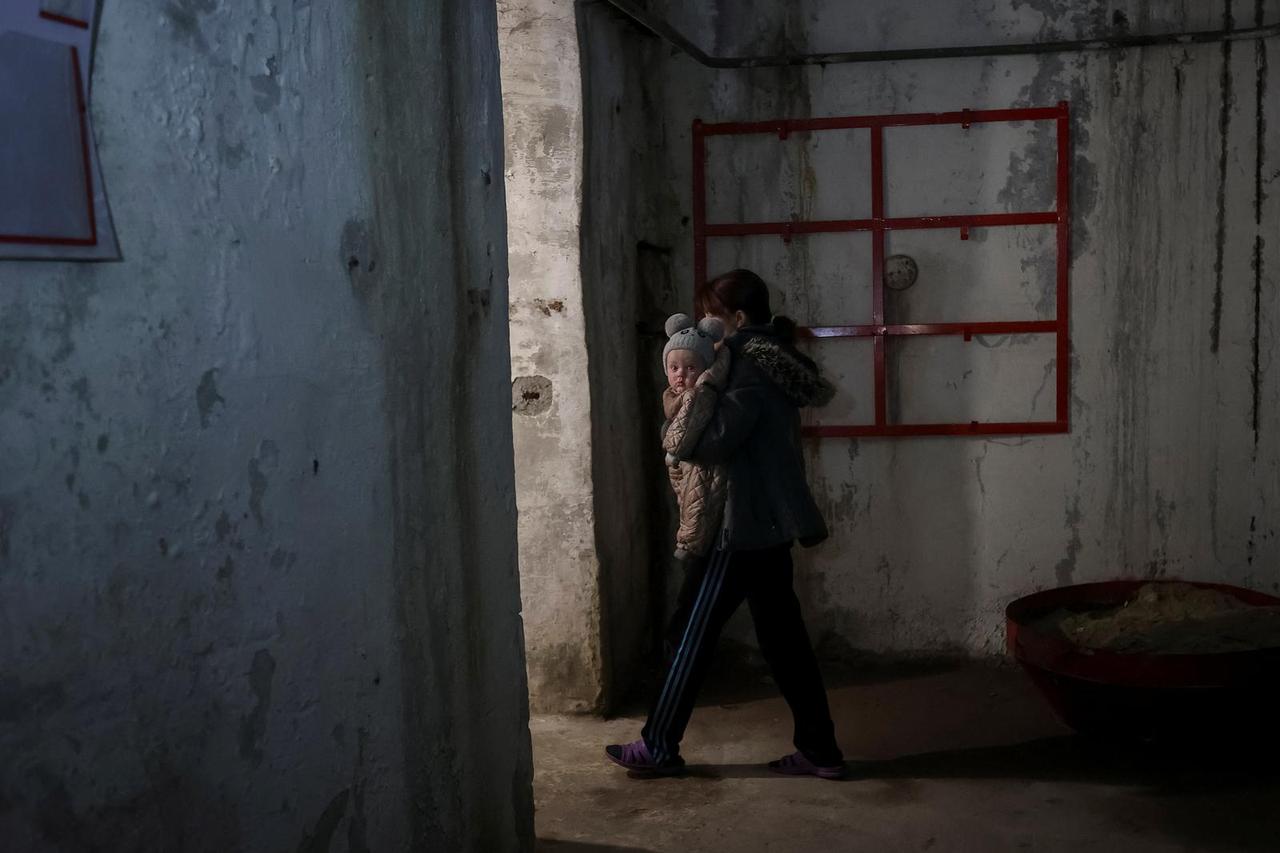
x=258, y=585
x=551, y=397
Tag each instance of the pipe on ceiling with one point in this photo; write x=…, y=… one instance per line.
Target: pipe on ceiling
x=675, y=38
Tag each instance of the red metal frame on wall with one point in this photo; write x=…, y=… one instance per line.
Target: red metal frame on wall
x=879, y=224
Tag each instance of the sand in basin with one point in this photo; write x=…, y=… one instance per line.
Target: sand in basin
x=1170, y=619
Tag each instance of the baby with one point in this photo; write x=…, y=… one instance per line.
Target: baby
x=695, y=374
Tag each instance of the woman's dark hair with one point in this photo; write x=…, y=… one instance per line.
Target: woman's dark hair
x=741, y=290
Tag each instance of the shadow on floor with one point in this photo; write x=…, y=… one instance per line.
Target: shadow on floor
x=739, y=675
x=551, y=845
x=1071, y=758
x=1174, y=768
x=1211, y=797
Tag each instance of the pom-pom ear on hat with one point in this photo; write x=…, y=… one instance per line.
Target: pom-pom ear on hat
x=699, y=339
x=712, y=327
x=678, y=323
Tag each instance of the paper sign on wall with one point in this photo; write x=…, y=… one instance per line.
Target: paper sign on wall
x=53, y=202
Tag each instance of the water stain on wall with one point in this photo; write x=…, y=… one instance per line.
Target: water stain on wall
x=320, y=837
x=207, y=395
x=253, y=726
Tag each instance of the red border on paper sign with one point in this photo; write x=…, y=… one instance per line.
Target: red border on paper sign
x=92, y=239
x=879, y=224
x=64, y=19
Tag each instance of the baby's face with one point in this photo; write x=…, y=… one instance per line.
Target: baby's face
x=683, y=369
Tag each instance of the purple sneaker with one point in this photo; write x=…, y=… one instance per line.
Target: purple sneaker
x=796, y=764
x=635, y=756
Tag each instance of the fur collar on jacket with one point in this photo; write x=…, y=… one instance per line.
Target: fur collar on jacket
x=797, y=375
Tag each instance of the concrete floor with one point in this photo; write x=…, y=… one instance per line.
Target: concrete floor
x=945, y=758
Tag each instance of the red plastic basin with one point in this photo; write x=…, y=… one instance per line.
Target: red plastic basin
x=1144, y=695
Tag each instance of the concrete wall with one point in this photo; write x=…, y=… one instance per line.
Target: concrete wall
x=258, y=577
x=1170, y=466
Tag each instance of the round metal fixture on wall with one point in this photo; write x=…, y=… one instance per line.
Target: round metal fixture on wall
x=900, y=272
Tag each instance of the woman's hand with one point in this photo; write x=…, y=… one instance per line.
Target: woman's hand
x=717, y=375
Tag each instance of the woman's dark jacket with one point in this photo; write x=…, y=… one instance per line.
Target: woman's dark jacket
x=755, y=434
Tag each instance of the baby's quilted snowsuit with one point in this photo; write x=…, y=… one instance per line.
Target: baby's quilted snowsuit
x=701, y=490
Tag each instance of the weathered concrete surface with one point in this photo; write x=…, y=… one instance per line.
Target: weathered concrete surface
x=561, y=569
x=257, y=545
x=993, y=772
x=1171, y=464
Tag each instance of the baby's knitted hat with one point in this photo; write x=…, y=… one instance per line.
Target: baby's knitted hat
x=700, y=339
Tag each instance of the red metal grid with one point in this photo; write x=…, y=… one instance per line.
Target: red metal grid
x=879, y=224
x=86, y=164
